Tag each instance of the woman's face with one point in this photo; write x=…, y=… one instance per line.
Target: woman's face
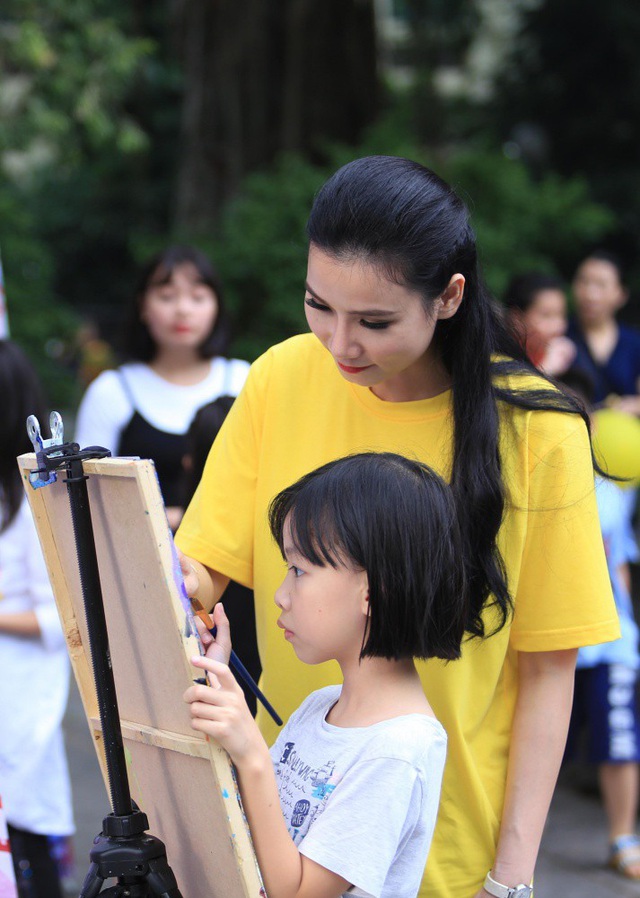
x=598, y=291
x=546, y=317
x=378, y=332
x=181, y=313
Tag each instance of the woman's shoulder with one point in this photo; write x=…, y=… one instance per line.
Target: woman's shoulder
x=296, y=361
x=227, y=376
x=301, y=348
x=103, y=388
x=536, y=410
x=236, y=364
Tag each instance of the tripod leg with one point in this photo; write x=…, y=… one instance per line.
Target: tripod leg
x=161, y=880
x=92, y=883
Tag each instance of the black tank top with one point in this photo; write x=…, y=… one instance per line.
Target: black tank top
x=139, y=437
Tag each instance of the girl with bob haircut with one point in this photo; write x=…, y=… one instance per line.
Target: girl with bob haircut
x=177, y=344
x=372, y=546
x=409, y=353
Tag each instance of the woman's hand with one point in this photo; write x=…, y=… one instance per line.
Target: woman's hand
x=201, y=581
x=174, y=515
x=558, y=356
x=189, y=573
x=220, y=711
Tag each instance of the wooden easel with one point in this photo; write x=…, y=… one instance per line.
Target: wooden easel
x=181, y=780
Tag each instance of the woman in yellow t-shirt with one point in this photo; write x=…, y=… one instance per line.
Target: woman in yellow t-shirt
x=409, y=355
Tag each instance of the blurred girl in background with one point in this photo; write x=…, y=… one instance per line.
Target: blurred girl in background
x=178, y=341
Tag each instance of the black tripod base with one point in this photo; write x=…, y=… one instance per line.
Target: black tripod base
x=138, y=862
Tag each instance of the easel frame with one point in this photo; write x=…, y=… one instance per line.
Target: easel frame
x=184, y=782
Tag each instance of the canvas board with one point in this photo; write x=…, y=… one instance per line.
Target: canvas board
x=180, y=779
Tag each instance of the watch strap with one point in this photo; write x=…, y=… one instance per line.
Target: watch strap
x=498, y=890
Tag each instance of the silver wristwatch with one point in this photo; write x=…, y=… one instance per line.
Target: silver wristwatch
x=501, y=891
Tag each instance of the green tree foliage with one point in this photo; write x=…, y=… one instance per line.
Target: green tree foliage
x=38, y=324
x=75, y=141
x=524, y=223
x=573, y=77
x=262, y=253
x=73, y=64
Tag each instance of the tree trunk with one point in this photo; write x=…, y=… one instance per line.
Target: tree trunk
x=265, y=76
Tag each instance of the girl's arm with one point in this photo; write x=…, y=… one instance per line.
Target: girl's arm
x=541, y=721
x=221, y=712
x=20, y=623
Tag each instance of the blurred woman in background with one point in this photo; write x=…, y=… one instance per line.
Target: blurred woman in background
x=178, y=341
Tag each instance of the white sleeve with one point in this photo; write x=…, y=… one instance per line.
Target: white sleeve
x=104, y=412
x=239, y=370
x=39, y=586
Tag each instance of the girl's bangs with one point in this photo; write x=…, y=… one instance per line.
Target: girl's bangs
x=315, y=532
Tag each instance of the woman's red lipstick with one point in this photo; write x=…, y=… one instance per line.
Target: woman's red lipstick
x=351, y=370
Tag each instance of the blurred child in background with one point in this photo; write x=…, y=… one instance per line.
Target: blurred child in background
x=34, y=666
x=537, y=309
x=606, y=699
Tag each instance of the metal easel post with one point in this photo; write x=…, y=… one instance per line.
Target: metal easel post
x=123, y=850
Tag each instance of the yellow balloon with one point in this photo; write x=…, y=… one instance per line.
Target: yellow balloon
x=616, y=443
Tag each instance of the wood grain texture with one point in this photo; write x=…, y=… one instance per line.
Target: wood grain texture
x=182, y=781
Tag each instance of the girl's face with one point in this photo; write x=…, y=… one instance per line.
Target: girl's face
x=181, y=313
x=323, y=609
x=378, y=332
x=546, y=317
x=598, y=291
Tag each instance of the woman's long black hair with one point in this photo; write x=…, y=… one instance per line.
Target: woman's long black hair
x=21, y=396
x=407, y=221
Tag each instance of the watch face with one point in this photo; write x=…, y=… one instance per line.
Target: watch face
x=522, y=892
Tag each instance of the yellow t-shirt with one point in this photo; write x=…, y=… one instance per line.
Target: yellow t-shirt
x=297, y=412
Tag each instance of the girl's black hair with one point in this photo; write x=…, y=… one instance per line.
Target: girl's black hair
x=396, y=519
x=524, y=289
x=404, y=219
x=21, y=396
x=159, y=271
